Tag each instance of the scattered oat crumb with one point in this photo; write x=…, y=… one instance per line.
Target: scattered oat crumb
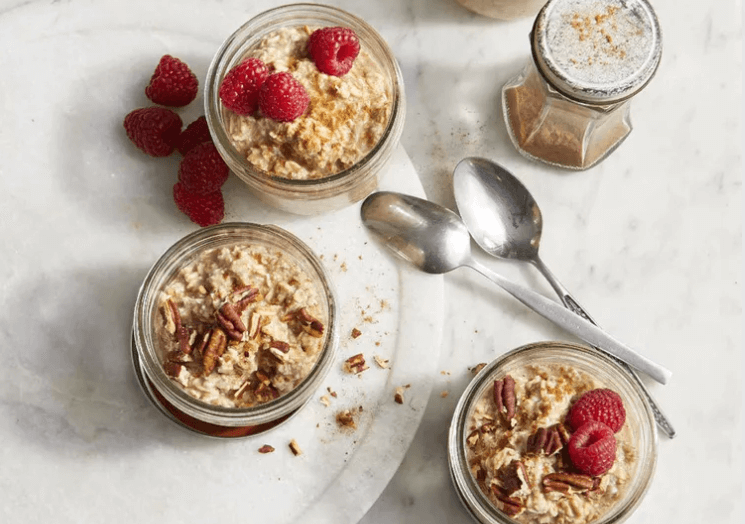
x=295, y=448
x=345, y=419
x=382, y=362
x=331, y=392
x=343, y=266
x=444, y=394
x=336, y=257
x=355, y=364
x=377, y=343
x=478, y=367
x=444, y=372
x=266, y=448
x=325, y=401
x=360, y=257
x=356, y=333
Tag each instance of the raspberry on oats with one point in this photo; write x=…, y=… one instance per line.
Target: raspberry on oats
x=202, y=170
x=592, y=448
x=194, y=134
x=172, y=84
x=334, y=49
x=153, y=130
x=283, y=98
x=239, y=90
x=204, y=210
x=602, y=405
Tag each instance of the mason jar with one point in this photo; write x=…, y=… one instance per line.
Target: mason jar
x=503, y=9
x=206, y=414
x=639, y=428
x=569, y=107
x=333, y=190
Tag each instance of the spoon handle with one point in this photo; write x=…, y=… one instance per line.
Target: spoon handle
x=570, y=303
x=574, y=324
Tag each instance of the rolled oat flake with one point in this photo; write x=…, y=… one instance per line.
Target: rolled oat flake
x=569, y=107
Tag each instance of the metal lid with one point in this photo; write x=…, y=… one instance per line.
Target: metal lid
x=597, y=51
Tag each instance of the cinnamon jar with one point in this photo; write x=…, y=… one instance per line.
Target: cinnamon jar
x=569, y=107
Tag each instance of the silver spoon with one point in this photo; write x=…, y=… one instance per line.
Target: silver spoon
x=505, y=221
x=436, y=240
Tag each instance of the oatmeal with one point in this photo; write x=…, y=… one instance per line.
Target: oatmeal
x=240, y=326
x=345, y=119
x=517, y=449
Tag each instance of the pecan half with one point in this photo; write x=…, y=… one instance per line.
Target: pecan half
x=504, y=396
x=182, y=334
x=284, y=347
x=547, y=440
x=310, y=325
x=565, y=481
x=215, y=348
x=230, y=321
x=509, y=505
x=509, y=477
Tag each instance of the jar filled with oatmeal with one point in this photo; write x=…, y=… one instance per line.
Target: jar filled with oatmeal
x=334, y=153
x=517, y=441
x=570, y=105
x=504, y=9
x=234, y=329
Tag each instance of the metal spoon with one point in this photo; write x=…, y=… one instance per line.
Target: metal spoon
x=436, y=240
x=505, y=221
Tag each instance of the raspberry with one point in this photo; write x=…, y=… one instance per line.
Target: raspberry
x=592, y=448
x=194, y=134
x=283, y=98
x=333, y=49
x=205, y=210
x=202, y=170
x=154, y=130
x=172, y=84
x=239, y=90
x=602, y=405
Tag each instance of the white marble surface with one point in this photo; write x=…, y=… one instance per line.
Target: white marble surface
x=649, y=241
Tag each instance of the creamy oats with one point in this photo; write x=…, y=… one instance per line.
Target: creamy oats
x=543, y=396
x=346, y=117
x=262, y=354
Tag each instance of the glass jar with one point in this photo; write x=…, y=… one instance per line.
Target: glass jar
x=503, y=9
x=639, y=419
x=306, y=196
x=570, y=105
x=175, y=402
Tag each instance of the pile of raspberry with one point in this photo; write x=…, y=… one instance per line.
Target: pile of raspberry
x=251, y=86
x=157, y=131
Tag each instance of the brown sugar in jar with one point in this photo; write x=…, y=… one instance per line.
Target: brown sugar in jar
x=569, y=107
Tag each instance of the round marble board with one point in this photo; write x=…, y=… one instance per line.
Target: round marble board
x=86, y=214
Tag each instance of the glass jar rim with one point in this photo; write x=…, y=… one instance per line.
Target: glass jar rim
x=162, y=270
x=474, y=500
x=222, y=59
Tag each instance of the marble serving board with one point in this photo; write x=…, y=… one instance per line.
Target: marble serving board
x=85, y=216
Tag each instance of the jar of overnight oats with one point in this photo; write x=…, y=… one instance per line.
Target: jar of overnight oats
x=486, y=448
x=234, y=329
x=569, y=107
x=332, y=155
x=504, y=9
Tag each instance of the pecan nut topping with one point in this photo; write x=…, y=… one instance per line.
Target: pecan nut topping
x=566, y=482
x=548, y=440
x=509, y=505
x=504, y=396
x=216, y=345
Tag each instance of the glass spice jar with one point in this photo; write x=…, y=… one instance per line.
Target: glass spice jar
x=570, y=105
x=503, y=9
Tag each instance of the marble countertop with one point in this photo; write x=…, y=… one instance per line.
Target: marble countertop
x=649, y=241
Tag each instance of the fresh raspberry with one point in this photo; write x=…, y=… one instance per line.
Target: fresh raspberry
x=154, y=130
x=239, y=90
x=283, y=98
x=592, y=448
x=205, y=210
x=602, y=405
x=172, y=84
x=333, y=49
x=194, y=134
x=202, y=170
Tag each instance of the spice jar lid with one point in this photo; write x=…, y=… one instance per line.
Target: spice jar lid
x=597, y=51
